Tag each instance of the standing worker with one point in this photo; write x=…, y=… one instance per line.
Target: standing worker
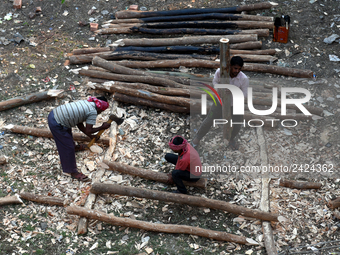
x=63, y=118
x=240, y=80
x=188, y=166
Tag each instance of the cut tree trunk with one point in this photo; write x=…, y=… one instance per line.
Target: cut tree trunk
x=100, y=188
x=3, y=160
x=189, y=11
x=44, y=199
x=184, y=40
x=10, y=200
x=244, y=24
x=29, y=99
x=300, y=185
x=335, y=203
x=155, y=227
x=45, y=132
x=221, y=16
x=141, y=101
x=150, y=175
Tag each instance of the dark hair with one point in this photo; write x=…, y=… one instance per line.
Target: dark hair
x=177, y=141
x=102, y=98
x=236, y=60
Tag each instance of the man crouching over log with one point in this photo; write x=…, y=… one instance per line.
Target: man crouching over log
x=63, y=118
x=188, y=163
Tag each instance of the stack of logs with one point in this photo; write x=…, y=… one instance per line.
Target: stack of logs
x=170, y=93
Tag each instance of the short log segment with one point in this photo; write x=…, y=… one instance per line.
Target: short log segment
x=100, y=188
x=165, y=228
x=299, y=184
x=10, y=200
x=335, y=203
x=192, y=40
x=150, y=175
x=45, y=132
x=44, y=199
x=29, y=99
x=190, y=11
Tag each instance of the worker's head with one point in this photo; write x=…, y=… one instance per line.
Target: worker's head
x=178, y=144
x=236, y=64
x=101, y=103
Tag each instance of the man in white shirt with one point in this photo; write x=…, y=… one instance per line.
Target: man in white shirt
x=237, y=78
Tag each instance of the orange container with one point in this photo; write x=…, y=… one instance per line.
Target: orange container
x=281, y=29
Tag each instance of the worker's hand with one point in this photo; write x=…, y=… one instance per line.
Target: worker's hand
x=106, y=125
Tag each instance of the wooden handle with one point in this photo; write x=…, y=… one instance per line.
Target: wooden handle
x=97, y=135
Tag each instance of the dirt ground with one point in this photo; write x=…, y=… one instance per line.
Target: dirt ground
x=36, y=62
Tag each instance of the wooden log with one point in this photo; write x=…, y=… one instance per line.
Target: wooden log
x=44, y=132
x=90, y=50
x=31, y=98
x=299, y=184
x=247, y=45
x=189, y=11
x=334, y=203
x=140, y=55
x=199, y=31
x=155, y=227
x=251, y=67
x=3, y=160
x=150, y=175
x=114, y=30
x=44, y=199
x=244, y=24
x=15, y=199
x=141, y=101
x=100, y=188
x=192, y=40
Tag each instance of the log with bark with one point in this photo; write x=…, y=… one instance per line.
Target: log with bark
x=90, y=50
x=100, y=188
x=192, y=40
x=31, y=98
x=251, y=67
x=205, y=16
x=334, y=203
x=299, y=184
x=155, y=227
x=190, y=11
x=150, y=175
x=15, y=199
x=243, y=24
x=44, y=199
x=45, y=132
x=3, y=160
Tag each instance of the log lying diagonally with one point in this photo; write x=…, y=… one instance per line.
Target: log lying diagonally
x=100, y=188
x=166, y=228
x=44, y=199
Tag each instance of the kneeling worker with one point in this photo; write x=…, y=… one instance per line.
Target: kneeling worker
x=188, y=163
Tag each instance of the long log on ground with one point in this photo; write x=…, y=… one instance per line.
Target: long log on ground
x=265, y=199
x=100, y=188
x=299, y=184
x=114, y=30
x=210, y=24
x=31, y=98
x=190, y=11
x=90, y=50
x=184, y=40
x=222, y=16
x=44, y=199
x=150, y=175
x=155, y=227
x=141, y=101
x=334, y=203
x=252, y=67
x=15, y=199
x=45, y=132
x=3, y=160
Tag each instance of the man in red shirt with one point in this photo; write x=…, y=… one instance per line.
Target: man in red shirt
x=188, y=163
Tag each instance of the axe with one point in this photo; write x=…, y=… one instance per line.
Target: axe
x=111, y=118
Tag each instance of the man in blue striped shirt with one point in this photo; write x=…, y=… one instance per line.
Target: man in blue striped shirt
x=63, y=118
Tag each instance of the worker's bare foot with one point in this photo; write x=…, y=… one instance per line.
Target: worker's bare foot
x=233, y=145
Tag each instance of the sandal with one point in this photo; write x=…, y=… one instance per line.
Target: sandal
x=80, y=147
x=80, y=177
